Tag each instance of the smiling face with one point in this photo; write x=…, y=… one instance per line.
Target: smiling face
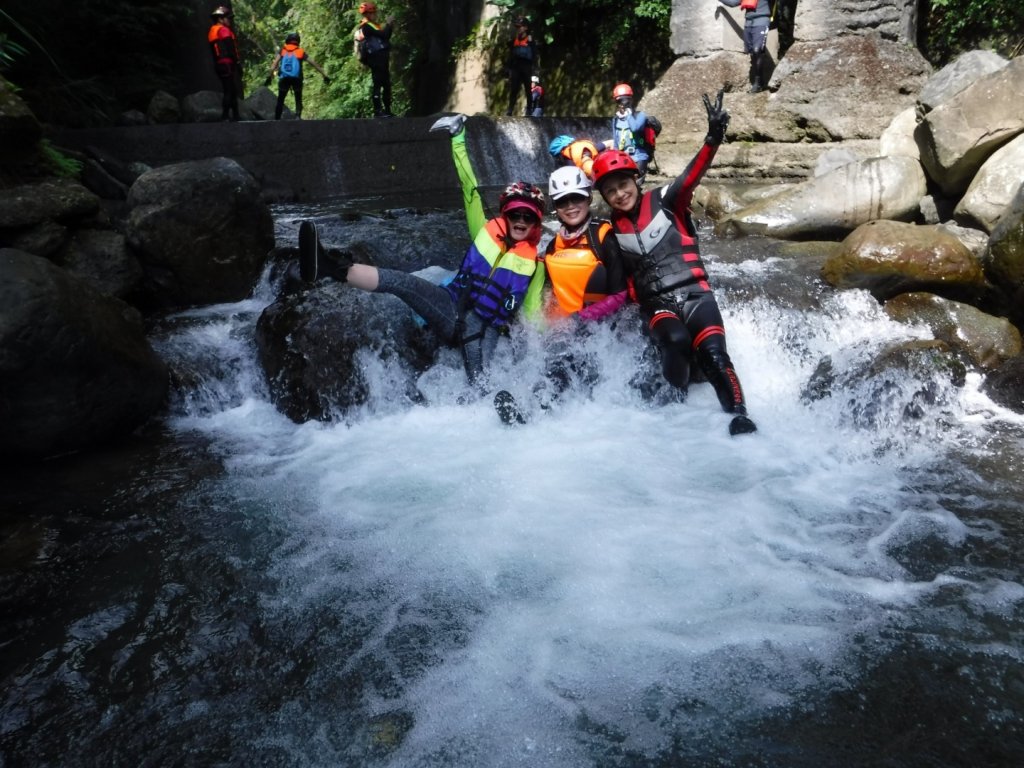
x=620, y=191
x=572, y=210
x=521, y=223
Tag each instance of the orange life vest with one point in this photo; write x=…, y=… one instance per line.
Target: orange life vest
x=576, y=273
x=222, y=41
x=578, y=153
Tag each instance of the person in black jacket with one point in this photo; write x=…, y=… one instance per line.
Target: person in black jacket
x=375, y=44
x=522, y=54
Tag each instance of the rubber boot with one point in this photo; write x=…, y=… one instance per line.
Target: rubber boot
x=316, y=262
x=719, y=371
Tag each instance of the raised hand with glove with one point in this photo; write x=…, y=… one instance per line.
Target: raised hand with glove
x=718, y=120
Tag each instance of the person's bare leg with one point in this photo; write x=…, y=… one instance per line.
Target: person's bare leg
x=363, y=276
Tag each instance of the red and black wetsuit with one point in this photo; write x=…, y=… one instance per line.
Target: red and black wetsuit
x=660, y=253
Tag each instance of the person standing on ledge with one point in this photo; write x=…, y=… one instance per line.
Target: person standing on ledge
x=536, y=97
x=375, y=52
x=288, y=66
x=522, y=54
x=224, y=48
x=755, y=36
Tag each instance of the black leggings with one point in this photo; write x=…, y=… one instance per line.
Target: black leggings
x=684, y=324
x=434, y=304
x=380, y=95
x=283, y=86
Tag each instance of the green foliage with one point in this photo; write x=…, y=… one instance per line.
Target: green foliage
x=326, y=28
x=953, y=27
x=59, y=163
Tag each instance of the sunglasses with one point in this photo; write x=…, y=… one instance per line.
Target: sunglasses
x=522, y=217
x=569, y=200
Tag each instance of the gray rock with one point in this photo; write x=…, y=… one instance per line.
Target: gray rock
x=200, y=231
x=260, y=105
x=993, y=187
x=309, y=345
x=836, y=203
x=1005, y=385
x=1005, y=263
x=75, y=367
x=54, y=200
x=957, y=137
x=202, y=107
x=898, y=137
x=987, y=341
x=98, y=181
x=43, y=239
x=957, y=75
x=102, y=259
x=163, y=108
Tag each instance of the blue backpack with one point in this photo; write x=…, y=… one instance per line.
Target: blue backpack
x=290, y=65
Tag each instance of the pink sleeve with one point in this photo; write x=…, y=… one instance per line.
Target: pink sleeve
x=603, y=308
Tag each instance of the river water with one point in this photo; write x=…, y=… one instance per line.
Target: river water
x=616, y=583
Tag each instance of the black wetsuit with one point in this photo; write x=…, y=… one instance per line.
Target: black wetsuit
x=661, y=256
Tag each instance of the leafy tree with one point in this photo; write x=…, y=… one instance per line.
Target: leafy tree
x=951, y=27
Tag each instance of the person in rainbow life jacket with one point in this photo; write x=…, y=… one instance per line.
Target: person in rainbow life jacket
x=472, y=310
x=656, y=234
x=581, y=281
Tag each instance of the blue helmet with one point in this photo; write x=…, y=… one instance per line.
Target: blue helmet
x=559, y=143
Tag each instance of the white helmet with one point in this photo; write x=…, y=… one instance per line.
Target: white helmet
x=568, y=180
x=534, y=79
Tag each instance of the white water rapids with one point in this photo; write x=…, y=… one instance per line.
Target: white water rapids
x=615, y=583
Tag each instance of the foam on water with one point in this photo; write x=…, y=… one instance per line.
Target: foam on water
x=538, y=593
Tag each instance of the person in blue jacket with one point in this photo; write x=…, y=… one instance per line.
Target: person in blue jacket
x=628, y=128
x=758, y=16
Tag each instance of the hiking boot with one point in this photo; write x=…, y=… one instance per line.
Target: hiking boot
x=741, y=425
x=452, y=123
x=309, y=251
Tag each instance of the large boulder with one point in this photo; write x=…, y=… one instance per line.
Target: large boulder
x=200, y=230
x=958, y=136
x=75, y=367
x=849, y=87
x=1004, y=265
x=835, y=203
x=102, y=258
x=985, y=340
x=310, y=345
x=891, y=257
x=898, y=137
x=994, y=187
x=964, y=71
x=823, y=20
x=163, y=108
x=202, y=107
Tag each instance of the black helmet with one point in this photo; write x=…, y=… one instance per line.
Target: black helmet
x=293, y=37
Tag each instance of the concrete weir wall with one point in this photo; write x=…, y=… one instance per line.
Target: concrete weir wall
x=311, y=160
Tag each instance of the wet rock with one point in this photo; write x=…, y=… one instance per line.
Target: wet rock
x=890, y=257
x=993, y=187
x=75, y=367
x=899, y=382
x=310, y=345
x=260, y=105
x=958, y=136
x=1005, y=385
x=985, y=340
x=836, y=203
x=200, y=230
x=202, y=107
x=101, y=183
x=43, y=239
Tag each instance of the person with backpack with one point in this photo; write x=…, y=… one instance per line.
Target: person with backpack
x=522, y=56
x=472, y=311
x=224, y=47
x=373, y=42
x=629, y=132
x=661, y=255
x=757, y=20
x=288, y=66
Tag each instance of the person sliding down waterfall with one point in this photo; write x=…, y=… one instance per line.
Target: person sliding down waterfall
x=658, y=241
x=472, y=310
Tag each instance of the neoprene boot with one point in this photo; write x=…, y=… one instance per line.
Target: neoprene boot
x=315, y=261
x=719, y=371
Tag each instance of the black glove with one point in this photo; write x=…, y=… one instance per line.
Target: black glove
x=718, y=120
x=268, y=81
x=327, y=80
